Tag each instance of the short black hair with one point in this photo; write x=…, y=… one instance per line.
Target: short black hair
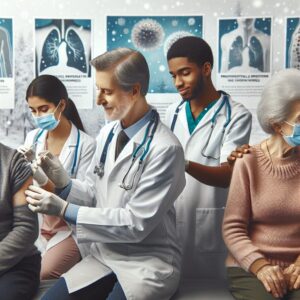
x=194, y=48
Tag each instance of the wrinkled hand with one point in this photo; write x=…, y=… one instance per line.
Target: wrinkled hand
x=238, y=153
x=292, y=276
x=42, y=201
x=28, y=153
x=53, y=169
x=38, y=174
x=273, y=280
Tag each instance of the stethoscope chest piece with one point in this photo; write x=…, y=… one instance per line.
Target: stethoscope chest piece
x=99, y=170
x=128, y=184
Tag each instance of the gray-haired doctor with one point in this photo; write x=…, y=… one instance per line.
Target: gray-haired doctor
x=134, y=178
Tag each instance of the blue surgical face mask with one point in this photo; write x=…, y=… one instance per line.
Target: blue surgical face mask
x=293, y=139
x=47, y=122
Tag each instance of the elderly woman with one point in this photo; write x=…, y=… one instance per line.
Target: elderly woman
x=19, y=259
x=262, y=219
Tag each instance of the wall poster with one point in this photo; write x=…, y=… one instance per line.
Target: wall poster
x=63, y=48
x=152, y=36
x=244, y=60
x=292, y=53
x=7, y=80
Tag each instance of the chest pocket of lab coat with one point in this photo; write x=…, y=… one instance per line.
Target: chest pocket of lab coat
x=208, y=237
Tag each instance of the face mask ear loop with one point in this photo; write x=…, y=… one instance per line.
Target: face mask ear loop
x=290, y=125
x=59, y=116
x=56, y=110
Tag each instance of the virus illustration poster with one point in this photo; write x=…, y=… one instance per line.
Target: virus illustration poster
x=152, y=36
x=63, y=48
x=292, y=53
x=6, y=63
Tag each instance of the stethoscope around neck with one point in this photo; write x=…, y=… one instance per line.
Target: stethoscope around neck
x=144, y=147
x=213, y=120
x=75, y=158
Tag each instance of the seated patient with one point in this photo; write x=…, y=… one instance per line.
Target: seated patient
x=262, y=219
x=20, y=262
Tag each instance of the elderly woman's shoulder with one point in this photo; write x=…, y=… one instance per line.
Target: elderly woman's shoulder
x=251, y=157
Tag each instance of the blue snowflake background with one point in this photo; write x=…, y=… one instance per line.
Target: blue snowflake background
x=119, y=29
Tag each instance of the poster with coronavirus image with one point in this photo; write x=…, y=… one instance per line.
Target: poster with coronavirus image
x=63, y=48
x=6, y=64
x=153, y=36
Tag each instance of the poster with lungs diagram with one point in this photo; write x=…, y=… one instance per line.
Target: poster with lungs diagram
x=7, y=80
x=244, y=61
x=63, y=49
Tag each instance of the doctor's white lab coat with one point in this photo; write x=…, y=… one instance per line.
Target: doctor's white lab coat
x=86, y=149
x=200, y=208
x=133, y=231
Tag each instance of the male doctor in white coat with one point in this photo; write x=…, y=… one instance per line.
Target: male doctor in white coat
x=209, y=124
x=135, y=252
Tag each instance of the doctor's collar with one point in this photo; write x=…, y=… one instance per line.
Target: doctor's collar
x=134, y=128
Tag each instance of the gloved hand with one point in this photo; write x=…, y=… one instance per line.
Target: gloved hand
x=42, y=201
x=53, y=169
x=38, y=174
x=28, y=153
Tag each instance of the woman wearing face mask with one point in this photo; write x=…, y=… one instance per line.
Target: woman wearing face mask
x=261, y=224
x=59, y=131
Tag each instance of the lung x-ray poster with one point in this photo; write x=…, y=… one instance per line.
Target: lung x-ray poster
x=6, y=64
x=63, y=48
x=292, y=53
x=152, y=36
x=244, y=59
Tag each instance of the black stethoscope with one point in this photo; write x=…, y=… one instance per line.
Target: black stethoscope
x=75, y=158
x=225, y=101
x=144, y=146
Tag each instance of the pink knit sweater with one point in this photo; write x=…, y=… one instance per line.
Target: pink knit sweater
x=262, y=217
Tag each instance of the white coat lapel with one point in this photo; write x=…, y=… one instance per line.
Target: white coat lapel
x=111, y=163
x=182, y=117
x=40, y=143
x=69, y=145
x=126, y=154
